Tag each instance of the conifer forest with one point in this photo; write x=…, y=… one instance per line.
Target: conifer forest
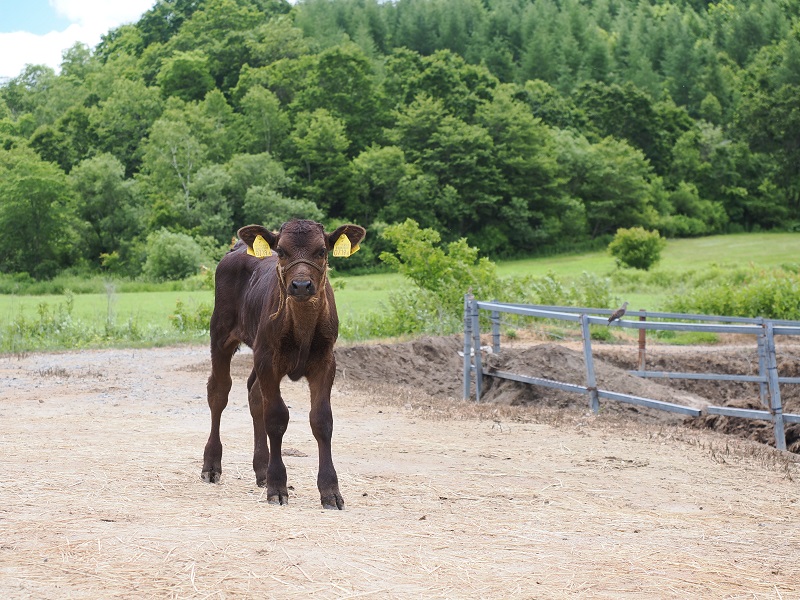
x=524, y=126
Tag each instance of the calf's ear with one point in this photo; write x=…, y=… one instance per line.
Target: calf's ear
x=259, y=240
x=345, y=240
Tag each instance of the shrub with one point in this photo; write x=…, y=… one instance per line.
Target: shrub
x=548, y=290
x=588, y=290
x=446, y=272
x=600, y=333
x=111, y=262
x=15, y=283
x=773, y=294
x=637, y=248
x=196, y=318
x=439, y=276
x=592, y=291
x=171, y=256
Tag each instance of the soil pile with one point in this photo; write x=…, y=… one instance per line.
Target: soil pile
x=429, y=364
x=434, y=365
x=736, y=360
x=558, y=363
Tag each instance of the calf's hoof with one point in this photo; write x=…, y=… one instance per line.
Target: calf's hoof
x=211, y=476
x=278, y=497
x=332, y=501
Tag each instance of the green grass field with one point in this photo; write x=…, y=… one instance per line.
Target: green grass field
x=359, y=295
x=144, y=307
x=763, y=249
x=758, y=249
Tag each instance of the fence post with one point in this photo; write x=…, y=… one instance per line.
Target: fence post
x=467, y=344
x=762, y=365
x=591, y=383
x=495, y=331
x=774, y=390
x=642, y=341
x=476, y=343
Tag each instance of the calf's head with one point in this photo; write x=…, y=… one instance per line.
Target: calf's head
x=302, y=249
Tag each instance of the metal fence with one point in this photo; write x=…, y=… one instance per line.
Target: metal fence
x=764, y=330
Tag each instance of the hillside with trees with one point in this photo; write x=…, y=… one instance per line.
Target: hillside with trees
x=523, y=126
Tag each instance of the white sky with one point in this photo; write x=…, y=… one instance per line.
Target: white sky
x=86, y=21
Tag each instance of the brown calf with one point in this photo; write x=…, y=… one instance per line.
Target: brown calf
x=281, y=306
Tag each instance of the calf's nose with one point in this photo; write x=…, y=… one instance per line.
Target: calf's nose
x=301, y=287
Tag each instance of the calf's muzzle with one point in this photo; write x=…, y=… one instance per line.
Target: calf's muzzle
x=301, y=288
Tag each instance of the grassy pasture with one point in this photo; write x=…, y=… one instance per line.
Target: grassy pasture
x=762, y=249
x=142, y=307
x=679, y=256
x=94, y=320
x=359, y=295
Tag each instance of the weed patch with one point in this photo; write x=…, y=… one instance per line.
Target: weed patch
x=769, y=293
x=54, y=326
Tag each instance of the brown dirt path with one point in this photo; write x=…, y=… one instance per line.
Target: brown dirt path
x=101, y=496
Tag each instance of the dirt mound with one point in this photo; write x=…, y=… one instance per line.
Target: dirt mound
x=737, y=360
x=750, y=429
x=429, y=364
x=433, y=365
x=556, y=362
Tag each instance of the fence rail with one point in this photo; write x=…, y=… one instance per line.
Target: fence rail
x=764, y=331
x=580, y=389
x=658, y=315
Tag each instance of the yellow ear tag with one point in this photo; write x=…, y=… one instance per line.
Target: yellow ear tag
x=260, y=248
x=342, y=247
x=355, y=249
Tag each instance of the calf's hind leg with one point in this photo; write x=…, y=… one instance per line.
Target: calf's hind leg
x=218, y=387
x=260, y=449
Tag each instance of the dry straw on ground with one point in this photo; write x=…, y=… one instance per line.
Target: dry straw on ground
x=101, y=495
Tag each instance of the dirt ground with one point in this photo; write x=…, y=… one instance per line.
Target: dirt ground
x=525, y=496
x=434, y=365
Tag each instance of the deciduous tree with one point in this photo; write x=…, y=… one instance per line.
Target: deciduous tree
x=37, y=233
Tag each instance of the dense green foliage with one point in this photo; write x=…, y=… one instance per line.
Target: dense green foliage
x=769, y=293
x=171, y=256
x=437, y=276
x=696, y=275
x=521, y=125
x=636, y=248
x=447, y=272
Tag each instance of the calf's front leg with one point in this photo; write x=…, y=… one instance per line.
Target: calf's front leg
x=321, y=419
x=276, y=419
